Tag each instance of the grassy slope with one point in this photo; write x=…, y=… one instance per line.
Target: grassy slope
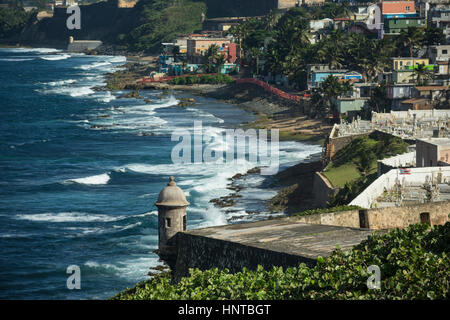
x=346, y=164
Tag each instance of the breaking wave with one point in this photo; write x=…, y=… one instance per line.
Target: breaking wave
x=92, y=180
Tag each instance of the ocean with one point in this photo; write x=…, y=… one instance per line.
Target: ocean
x=80, y=171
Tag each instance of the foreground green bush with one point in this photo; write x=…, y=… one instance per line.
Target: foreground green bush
x=414, y=264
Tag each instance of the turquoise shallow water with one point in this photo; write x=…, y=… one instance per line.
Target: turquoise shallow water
x=80, y=171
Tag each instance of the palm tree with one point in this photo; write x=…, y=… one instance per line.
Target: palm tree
x=347, y=88
x=433, y=36
x=422, y=74
x=210, y=55
x=219, y=62
x=411, y=38
x=330, y=89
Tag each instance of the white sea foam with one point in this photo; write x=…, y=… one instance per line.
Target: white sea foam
x=105, y=96
x=92, y=180
x=61, y=82
x=81, y=217
x=118, y=59
x=55, y=57
x=16, y=59
x=94, y=65
x=134, y=269
x=68, y=217
x=38, y=50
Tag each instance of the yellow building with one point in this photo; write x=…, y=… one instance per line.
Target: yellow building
x=404, y=63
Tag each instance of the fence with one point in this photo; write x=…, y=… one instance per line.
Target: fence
x=270, y=89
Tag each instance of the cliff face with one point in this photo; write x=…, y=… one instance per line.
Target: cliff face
x=100, y=21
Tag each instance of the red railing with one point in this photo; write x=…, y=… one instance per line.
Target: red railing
x=270, y=89
x=168, y=78
x=257, y=82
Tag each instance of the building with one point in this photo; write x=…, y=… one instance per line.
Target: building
x=404, y=63
x=126, y=3
x=198, y=45
x=439, y=53
x=439, y=17
x=433, y=152
x=403, y=76
x=399, y=92
x=430, y=92
x=398, y=9
x=319, y=28
x=348, y=105
x=393, y=26
x=317, y=73
x=416, y=104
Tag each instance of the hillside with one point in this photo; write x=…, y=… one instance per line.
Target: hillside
x=138, y=29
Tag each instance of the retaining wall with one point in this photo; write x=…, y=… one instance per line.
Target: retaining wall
x=323, y=190
x=383, y=218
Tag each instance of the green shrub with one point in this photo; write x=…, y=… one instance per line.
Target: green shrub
x=205, y=79
x=414, y=264
x=327, y=210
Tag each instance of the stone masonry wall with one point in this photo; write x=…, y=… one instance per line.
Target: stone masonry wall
x=344, y=218
x=205, y=253
x=384, y=218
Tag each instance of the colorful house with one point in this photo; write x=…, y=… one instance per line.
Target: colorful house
x=403, y=63
x=398, y=9
x=197, y=45
x=395, y=25
x=317, y=73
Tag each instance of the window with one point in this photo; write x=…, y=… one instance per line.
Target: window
x=444, y=51
x=184, y=223
x=408, y=8
x=168, y=223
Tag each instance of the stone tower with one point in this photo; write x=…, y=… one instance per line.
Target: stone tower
x=172, y=206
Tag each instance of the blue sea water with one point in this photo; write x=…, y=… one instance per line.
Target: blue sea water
x=80, y=171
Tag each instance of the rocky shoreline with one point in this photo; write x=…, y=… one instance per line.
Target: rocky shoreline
x=272, y=113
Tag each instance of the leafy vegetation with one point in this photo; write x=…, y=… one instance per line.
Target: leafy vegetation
x=12, y=20
x=204, y=79
x=413, y=262
x=160, y=21
x=326, y=210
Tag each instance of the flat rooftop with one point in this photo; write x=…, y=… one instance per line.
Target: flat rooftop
x=286, y=235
